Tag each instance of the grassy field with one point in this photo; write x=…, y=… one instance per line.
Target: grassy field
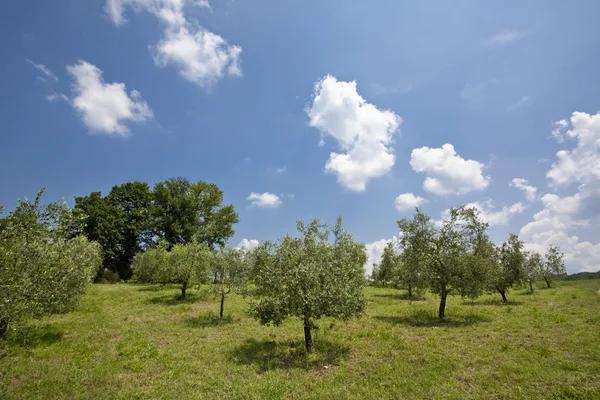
x=139, y=342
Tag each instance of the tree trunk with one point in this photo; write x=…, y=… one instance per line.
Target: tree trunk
x=183, y=289
x=3, y=328
x=547, y=282
x=530, y=287
x=307, y=336
x=442, y=310
x=222, y=304
x=503, y=294
x=409, y=291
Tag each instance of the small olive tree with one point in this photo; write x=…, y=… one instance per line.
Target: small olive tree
x=415, y=242
x=184, y=264
x=230, y=269
x=309, y=277
x=387, y=271
x=533, y=268
x=553, y=265
x=42, y=270
x=509, y=270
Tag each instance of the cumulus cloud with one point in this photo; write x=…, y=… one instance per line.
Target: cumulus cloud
x=363, y=133
x=504, y=38
x=497, y=217
x=447, y=172
x=247, y=244
x=200, y=56
x=408, y=201
x=581, y=164
x=523, y=184
x=264, y=200
x=563, y=215
x=104, y=107
x=44, y=70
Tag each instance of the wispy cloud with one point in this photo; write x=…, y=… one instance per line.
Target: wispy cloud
x=504, y=38
x=43, y=69
x=523, y=102
x=378, y=89
x=476, y=93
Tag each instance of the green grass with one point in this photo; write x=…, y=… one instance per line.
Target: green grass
x=139, y=342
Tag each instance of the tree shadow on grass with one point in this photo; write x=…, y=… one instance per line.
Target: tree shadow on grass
x=270, y=355
x=424, y=319
x=209, y=319
x=173, y=300
x=401, y=296
x=492, y=302
x=35, y=335
x=152, y=288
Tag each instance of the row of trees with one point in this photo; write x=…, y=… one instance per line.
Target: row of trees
x=45, y=265
x=459, y=257
x=133, y=217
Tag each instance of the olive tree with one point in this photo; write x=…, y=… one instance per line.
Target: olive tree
x=509, y=268
x=459, y=254
x=415, y=242
x=184, y=264
x=230, y=269
x=387, y=271
x=42, y=270
x=533, y=268
x=309, y=277
x=553, y=265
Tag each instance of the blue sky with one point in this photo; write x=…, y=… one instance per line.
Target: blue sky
x=258, y=97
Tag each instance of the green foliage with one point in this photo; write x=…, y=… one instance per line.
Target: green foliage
x=553, y=265
x=533, y=268
x=230, y=270
x=509, y=270
x=309, y=278
x=185, y=264
x=387, y=270
x=42, y=271
x=416, y=244
x=187, y=211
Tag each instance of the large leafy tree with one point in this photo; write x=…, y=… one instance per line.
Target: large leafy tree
x=187, y=211
x=416, y=241
x=553, y=265
x=231, y=271
x=509, y=268
x=460, y=255
x=309, y=277
x=42, y=269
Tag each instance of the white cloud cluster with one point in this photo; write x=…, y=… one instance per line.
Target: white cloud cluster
x=447, y=172
x=504, y=38
x=363, y=132
x=264, y=200
x=201, y=56
x=499, y=217
x=374, y=252
x=247, y=244
x=408, y=201
x=562, y=215
x=523, y=184
x=44, y=70
x=104, y=107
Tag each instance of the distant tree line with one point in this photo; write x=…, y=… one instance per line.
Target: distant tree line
x=132, y=217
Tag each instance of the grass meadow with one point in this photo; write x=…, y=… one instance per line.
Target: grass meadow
x=130, y=341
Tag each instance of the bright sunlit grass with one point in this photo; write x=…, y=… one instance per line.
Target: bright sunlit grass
x=140, y=342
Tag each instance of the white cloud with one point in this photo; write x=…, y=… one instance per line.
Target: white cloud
x=562, y=216
x=44, y=70
x=57, y=96
x=523, y=184
x=280, y=170
x=363, y=132
x=581, y=164
x=264, y=200
x=523, y=101
x=504, y=38
x=201, y=56
x=500, y=217
x=105, y=107
x=447, y=172
x=248, y=244
x=408, y=201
